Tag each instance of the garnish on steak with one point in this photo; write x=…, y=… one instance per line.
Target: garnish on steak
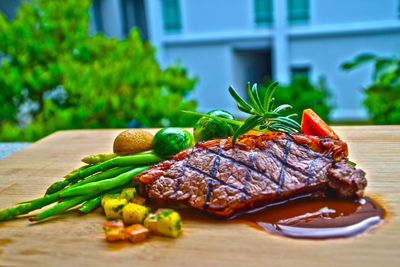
x=222, y=179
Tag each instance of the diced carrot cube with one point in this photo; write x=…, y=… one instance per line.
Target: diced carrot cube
x=136, y=233
x=114, y=231
x=139, y=200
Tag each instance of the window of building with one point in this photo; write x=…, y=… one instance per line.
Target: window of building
x=97, y=14
x=298, y=11
x=134, y=15
x=263, y=12
x=171, y=15
x=398, y=9
x=303, y=71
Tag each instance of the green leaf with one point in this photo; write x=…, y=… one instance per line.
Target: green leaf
x=254, y=92
x=256, y=106
x=246, y=106
x=351, y=163
x=287, y=121
x=268, y=96
x=241, y=108
x=278, y=127
x=249, y=124
x=282, y=107
x=359, y=60
x=238, y=123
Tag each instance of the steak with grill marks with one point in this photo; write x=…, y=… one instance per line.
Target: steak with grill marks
x=223, y=179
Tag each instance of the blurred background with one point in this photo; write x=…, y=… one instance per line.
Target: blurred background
x=137, y=63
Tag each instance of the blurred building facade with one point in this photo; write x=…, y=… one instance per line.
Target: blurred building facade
x=227, y=42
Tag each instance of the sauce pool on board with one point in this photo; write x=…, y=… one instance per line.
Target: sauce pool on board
x=308, y=218
x=318, y=218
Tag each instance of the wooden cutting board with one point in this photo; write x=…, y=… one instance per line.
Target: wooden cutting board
x=76, y=239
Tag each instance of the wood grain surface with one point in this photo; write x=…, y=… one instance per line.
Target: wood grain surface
x=78, y=240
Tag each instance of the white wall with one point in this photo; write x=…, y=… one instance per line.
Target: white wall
x=325, y=56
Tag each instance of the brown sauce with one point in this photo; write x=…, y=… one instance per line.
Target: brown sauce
x=310, y=218
x=318, y=219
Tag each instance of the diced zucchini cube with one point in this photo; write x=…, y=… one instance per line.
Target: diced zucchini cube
x=128, y=193
x=108, y=196
x=113, y=208
x=133, y=213
x=169, y=223
x=151, y=223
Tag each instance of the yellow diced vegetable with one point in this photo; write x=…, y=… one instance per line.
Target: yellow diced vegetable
x=134, y=213
x=128, y=193
x=113, y=208
x=165, y=222
x=109, y=196
x=169, y=223
x=114, y=231
x=139, y=200
x=136, y=233
x=151, y=223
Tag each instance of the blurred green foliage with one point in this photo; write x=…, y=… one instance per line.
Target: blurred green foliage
x=302, y=94
x=383, y=95
x=73, y=80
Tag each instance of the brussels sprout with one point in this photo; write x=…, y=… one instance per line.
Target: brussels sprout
x=208, y=128
x=169, y=141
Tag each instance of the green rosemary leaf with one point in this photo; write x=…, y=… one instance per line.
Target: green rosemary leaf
x=282, y=107
x=351, y=163
x=246, y=106
x=241, y=108
x=249, y=124
x=279, y=127
x=253, y=100
x=268, y=96
x=287, y=121
x=238, y=123
x=292, y=115
x=254, y=92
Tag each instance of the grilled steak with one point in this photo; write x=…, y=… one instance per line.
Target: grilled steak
x=222, y=179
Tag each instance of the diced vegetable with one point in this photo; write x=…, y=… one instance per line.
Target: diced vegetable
x=128, y=193
x=312, y=124
x=109, y=196
x=136, y=233
x=139, y=200
x=113, y=208
x=114, y=231
x=169, y=223
x=165, y=222
x=151, y=223
x=134, y=213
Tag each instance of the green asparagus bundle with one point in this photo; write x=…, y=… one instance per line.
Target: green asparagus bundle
x=88, y=183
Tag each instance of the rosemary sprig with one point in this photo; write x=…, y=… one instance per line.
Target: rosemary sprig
x=262, y=115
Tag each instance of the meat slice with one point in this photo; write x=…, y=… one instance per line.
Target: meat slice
x=222, y=179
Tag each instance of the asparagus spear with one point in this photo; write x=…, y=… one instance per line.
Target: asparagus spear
x=101, y=186
x=97, y=158
x=137, y=159
x=111, y=173
x=61, y=207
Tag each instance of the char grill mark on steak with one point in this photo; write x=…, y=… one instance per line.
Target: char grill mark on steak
x=222, y=179
x=281, y=180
